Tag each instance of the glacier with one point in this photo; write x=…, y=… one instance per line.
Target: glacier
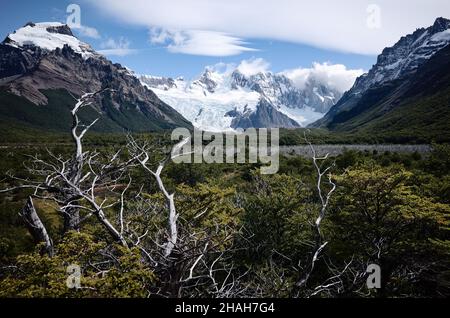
x=215, y=100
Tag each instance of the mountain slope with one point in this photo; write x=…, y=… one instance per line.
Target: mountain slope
x=413, y=109
x=42, y=64
x=220, y=101
x=386, y=81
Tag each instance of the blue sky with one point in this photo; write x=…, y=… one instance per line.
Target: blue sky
x=169, y=40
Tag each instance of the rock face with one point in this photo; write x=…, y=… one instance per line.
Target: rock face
x=206, y=82
x=265, y=116
x=281, y=91
x=395, y=63
x=406, y=55
x=163, y=83
x=15, y=62
x=45, y=57
x=222, y=101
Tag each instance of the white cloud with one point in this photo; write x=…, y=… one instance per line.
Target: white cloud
x=87, y=31
x=120, y=47
x=345, y=25
x=198, y=42
x=61, y=15
x=222, y=68
x=336, y=76
x=253, y=66
x=160, y=36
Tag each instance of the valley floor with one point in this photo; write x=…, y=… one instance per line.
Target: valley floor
x=334, y=150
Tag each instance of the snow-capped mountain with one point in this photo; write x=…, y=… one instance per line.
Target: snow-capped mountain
x=395, y=64
x=48, y=36
x=406, y=55
x=195, y=101
x=43, y=64
x=220, y=101
x=280, y=91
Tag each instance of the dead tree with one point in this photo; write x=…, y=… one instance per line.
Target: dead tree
x=350, y=278
x=71, y=212
x=189, y=261
x=142, y=154
x=73, y=184
x=36, y=227
x=324, y=196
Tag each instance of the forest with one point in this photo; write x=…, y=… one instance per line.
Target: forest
x=115, y=217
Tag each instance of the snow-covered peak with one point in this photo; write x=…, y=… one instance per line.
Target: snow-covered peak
x=212, y=100
x=198, y=102
x=208, y=81
x=48, y=36
x=410, y=52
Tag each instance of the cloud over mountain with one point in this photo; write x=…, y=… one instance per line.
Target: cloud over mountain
x=349, y=26
x=253, y=66
x=198, y=42
x=336, y=76
x=119, y=47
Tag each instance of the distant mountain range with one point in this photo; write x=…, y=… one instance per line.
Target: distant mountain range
x=43, y=64
x=406, y=94
x=220, y=101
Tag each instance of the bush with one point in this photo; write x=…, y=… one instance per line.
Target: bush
x=107, y=271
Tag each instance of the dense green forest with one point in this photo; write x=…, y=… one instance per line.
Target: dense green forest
x=240, y=233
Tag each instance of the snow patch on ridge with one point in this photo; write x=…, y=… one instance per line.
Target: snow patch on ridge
x=215, y=98
x=38, y=35
x=205, y=110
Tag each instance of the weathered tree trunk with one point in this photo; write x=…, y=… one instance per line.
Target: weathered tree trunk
x=36, y=227
x=71, y=219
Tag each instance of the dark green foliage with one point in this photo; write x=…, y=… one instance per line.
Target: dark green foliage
x=35, y=275
x=270, y=217
x=21, y=118
x=277, y=213
x=387, y=220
